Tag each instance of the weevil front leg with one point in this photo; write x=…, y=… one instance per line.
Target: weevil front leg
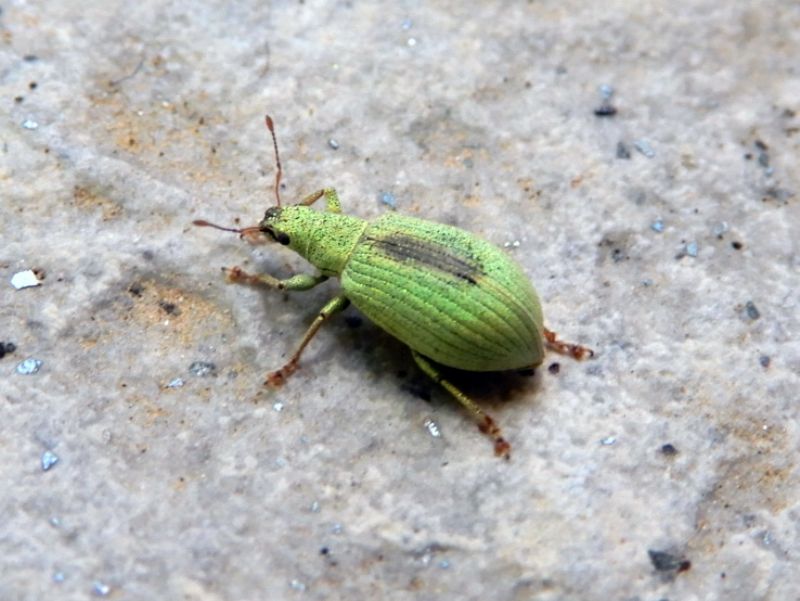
x=576, y=351
x=300, y=281
x=486, y=424
x=333, y=306
x=332, y=204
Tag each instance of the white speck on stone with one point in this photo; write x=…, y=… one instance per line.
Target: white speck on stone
x=30, y=124
x=175, y=383
x=314, y=507
x=49, y=459
x=644, y=147
x=100, y=589
x=512, y=244
x=29, y=367
x=58, y=577
x=278, y=406
x=412, y=42
x=720, y=228
x=433, y=428
x=691, y=249
x=297, y=585
x=336, y=528
x=25, y=279
x=333, y=144
x=608, y=441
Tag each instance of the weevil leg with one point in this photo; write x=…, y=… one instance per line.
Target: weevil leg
x=332, y=204
x=301, y=281
x=333, y=306
x=486, y=424
x=576, y=351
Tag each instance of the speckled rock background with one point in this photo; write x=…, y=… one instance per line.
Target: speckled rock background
x=664, y=236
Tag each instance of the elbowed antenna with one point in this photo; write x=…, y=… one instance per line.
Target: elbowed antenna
x=271, y=128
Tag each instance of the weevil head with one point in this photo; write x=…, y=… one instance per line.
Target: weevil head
x=274, y=225
x=291, y=225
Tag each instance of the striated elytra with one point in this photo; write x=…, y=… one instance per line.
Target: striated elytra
x=452, y=297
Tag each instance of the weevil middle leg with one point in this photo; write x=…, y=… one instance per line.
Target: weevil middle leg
x=335, y=305
x=486, y=424
x=301, y=281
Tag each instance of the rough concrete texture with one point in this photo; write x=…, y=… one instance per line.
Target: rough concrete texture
x=664, y=236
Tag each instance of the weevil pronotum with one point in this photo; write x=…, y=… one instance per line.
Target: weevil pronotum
x=453, y=298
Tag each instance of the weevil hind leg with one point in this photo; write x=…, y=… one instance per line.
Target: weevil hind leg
x=486, y=424
x=332, y=307
x=576, y=351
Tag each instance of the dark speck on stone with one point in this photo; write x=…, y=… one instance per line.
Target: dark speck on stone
x=6, y=348
x=669, y=450
x=136, y=289
x=751, y=310
x=668, y=562
x=622, y=151
x=605, y=110
x=764, y=360
x=554, y=368
x=169, y=308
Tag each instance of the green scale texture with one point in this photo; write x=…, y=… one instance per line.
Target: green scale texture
x=446, y=293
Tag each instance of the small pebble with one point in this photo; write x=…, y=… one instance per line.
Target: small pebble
x=691, y=249
x=388, y=199
x=202, y=368
x=48, y=460
x=30, y=124
x=644, y=147
x=333, y=144
x=606, y=91
x=29, y=367
x=433, y=428
x=297, y=585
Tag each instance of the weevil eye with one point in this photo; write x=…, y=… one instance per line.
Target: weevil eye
x=282, y=238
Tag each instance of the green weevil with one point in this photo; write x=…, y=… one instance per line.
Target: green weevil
x=452, y=297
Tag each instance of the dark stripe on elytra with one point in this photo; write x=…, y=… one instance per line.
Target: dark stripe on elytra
x=431, y=254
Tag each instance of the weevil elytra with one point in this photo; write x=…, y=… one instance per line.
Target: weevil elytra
x=452, y=297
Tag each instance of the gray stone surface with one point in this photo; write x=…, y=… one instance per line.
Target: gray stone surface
x=125, y=121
